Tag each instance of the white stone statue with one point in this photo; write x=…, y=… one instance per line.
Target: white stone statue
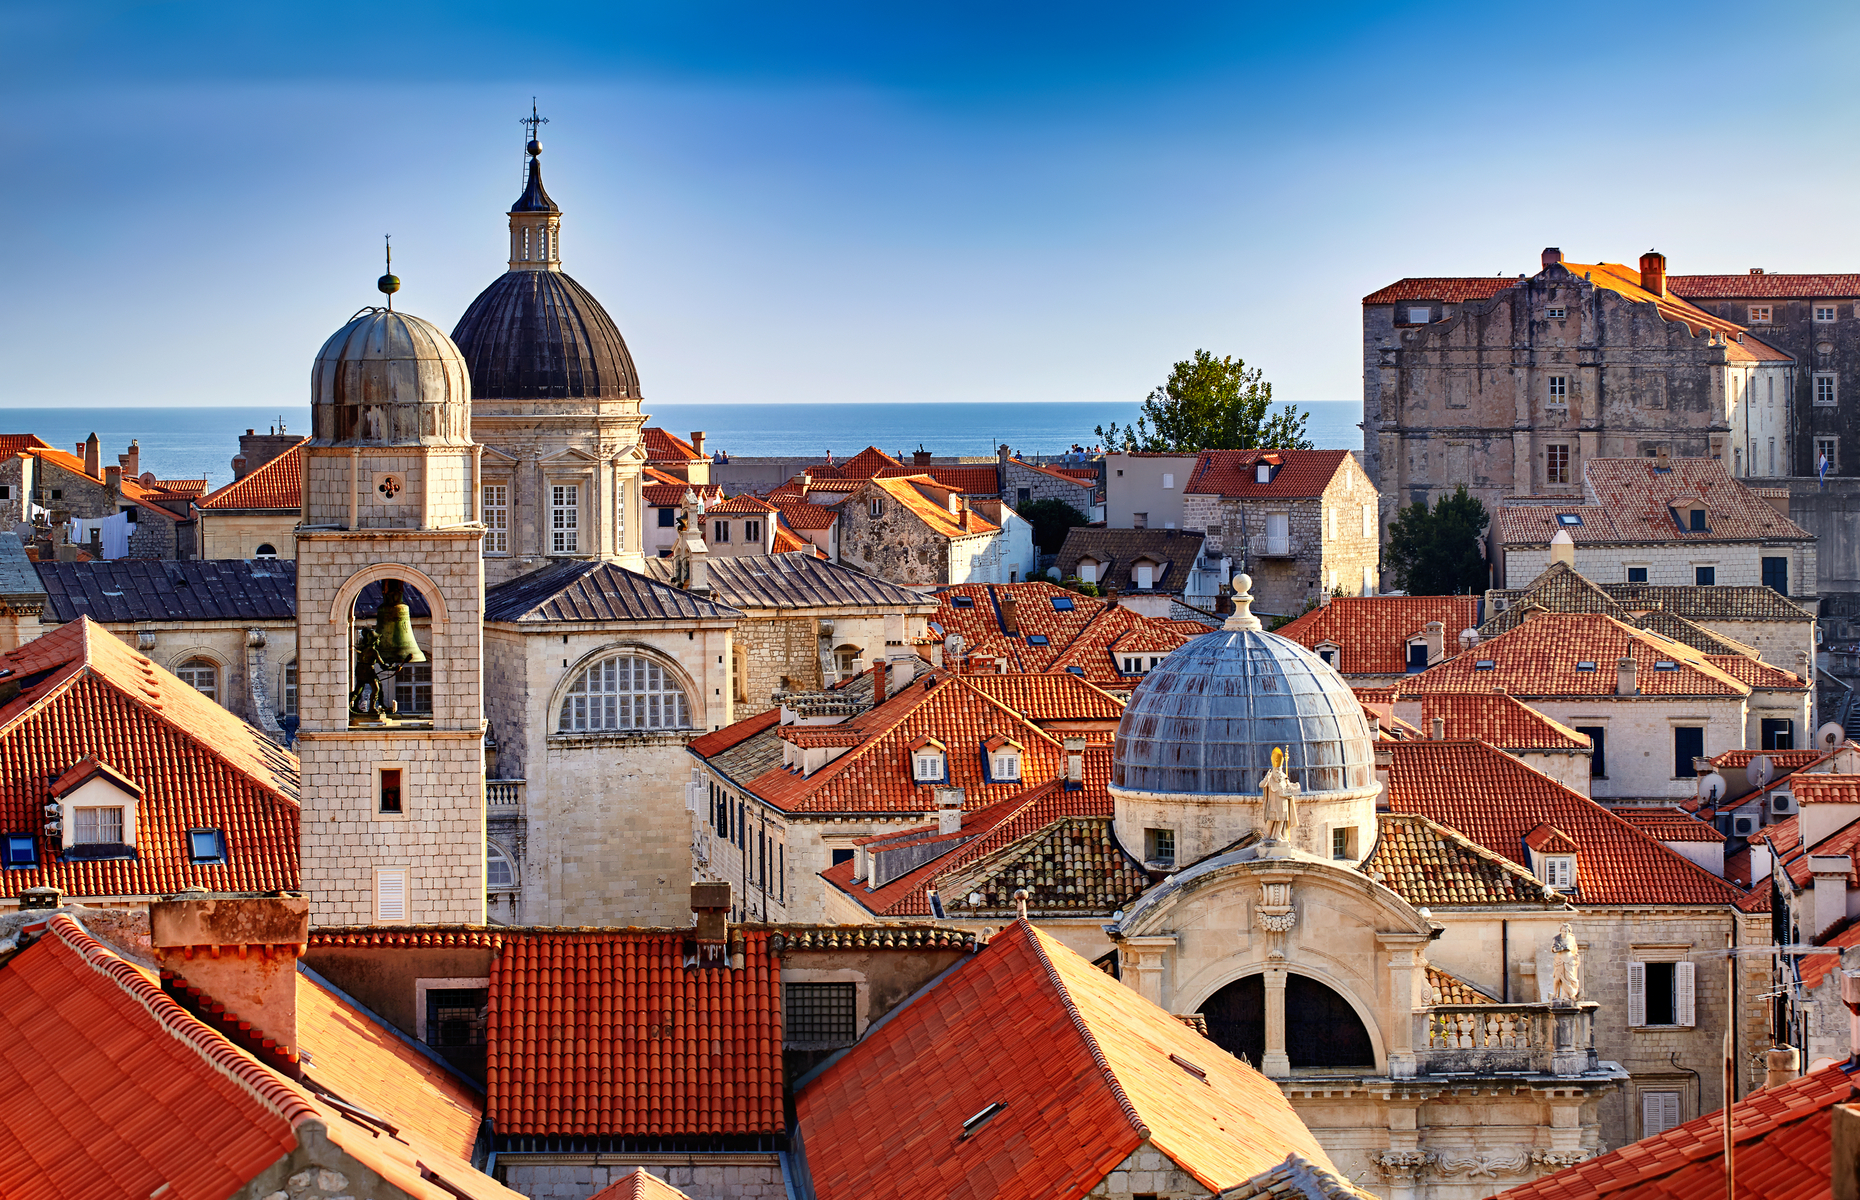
x=1281, y=796
x=1566, y=960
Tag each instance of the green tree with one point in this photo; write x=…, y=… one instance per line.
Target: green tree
x=1050, y=520
x=1440, y=553
x=1210, y=403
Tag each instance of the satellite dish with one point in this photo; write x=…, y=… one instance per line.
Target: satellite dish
x=1830, y=735
x=1711, y=788
x=1760, y=771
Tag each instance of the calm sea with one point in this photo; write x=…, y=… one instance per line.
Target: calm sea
x=189, y=443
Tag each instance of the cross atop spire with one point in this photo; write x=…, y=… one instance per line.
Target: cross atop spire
x=533, y=123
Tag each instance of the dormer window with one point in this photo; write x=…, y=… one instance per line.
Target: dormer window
x=98, y=825
x=929, y=761
x=1328, y=652
x=962, y=601
x=96, y=810
x=1262, y=473
x=1559, y=871
x=21, y=851
x=1417, y=657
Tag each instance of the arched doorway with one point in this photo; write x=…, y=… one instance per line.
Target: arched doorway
x=1322, y=1030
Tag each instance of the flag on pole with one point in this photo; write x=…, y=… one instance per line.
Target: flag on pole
x=1821, y=469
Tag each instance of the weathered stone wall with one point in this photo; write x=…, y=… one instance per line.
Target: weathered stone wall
x=1818, y=346
x=897, y=545
x=700, y=1176
x=1039, y=485
x=774, y=650
x=239, y=535
x=1148, y=1172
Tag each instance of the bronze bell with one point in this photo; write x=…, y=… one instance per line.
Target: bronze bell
x=394, y=628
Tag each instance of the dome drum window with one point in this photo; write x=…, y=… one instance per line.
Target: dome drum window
x=621, y=694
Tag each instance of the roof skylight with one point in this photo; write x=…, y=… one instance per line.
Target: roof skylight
x=1585, y=665
x=1062, y=604
x=1569, y=518
x=1036, y=639
x=979, y=1119
x=1485, y=664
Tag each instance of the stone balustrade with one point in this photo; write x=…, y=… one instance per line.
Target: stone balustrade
x=1483, y=1039
x=505, y=794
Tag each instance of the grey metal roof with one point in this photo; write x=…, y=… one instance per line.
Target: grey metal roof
x=140, y=589
x=539, y=335
x=19, y=583
x=534, y=198
x=796, y=579
x=596, y=591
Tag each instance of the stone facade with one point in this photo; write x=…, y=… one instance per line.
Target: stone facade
x=899, y=545
x=1333, y=541
x=1023, y=484
x=1147, y=1171
x=1669, y=564
x=1638, y=737
x=700, y=1176
x=64, y=493
x=245, y=533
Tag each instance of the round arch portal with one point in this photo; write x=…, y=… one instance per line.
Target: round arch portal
x=1322, y=1028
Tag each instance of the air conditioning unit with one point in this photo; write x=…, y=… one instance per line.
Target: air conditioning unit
x=1782, y=803
x=1744, y=826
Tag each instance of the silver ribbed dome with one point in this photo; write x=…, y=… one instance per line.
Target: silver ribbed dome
x=390, y=379
x=1206, y=718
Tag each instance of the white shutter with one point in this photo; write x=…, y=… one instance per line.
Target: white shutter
x=391, y=895
x=1682, y=993
x=1659, y=1112
x=1637, y=993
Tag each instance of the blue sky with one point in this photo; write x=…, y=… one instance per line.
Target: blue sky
x=867, y=202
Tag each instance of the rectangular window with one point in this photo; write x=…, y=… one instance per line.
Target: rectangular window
x=1556, y=464
x=1705, y=576
x=388, y=791
x=206, y=845
x=927, y=767
x=496, y=518
x=565, y=518
x=876, y=508
x=1023, y=495
x=820, y=1014
x=99, y=826
x=1659, y=1112
x=752, y=531
x=1688, y=744
x=1417, y=657
x=390, y=894
x=1825, y=392
x=21, y=850
x=1556, y=314
x=1145, y=576
x=1420, y=315
x=6, y=491
x=290, y=690
x=1824, y=449
x=668, y=518
x=1159, y=847
x=1637, y=574
x=1343, y=843
x=1776, y=574
x=1778, y=733
x=413, y=688
x=1559, y=871
x=1598, y=757
x=1824, y=312
x=1006, y=768
x=1661, y=993
x=1140, y=520
x=722, y=531
x=1759, y=314
x=842, y=856
x=1559, y=389
x=1168, y=479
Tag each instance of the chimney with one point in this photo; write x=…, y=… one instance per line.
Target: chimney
x=132, y=461
x=1075, y=763
x=1437, y=729
x=1436, y=638
x=697, y=442
x=1653, y=272
x=1780, y=1066
x=949, y=809
x=113, y=478
x=920, y=457
x=710, y=908
x=233, y=962
x=1010, y=615
x=879, y=694
x=1627, y=678
x=238, y=466
x=1552, y=256
x=1563, y=549
x=92, y=457
x=1830, y=889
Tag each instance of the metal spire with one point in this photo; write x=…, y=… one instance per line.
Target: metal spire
x=532, y=147
x=389, y=283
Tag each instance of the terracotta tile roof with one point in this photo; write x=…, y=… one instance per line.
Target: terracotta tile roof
x=1629, y=501
x=350, y=1053
x=1548, y=839
x=1669, y=824
x=1757, y=674
x=1451, y=989
x=1698, y=637
x=784, y=541
x=744, y=503
x=1783, y=1141
x=1090, y=473
x=639, y=1184
x=421, y=936
x=1095, y=651
x=1765, y=286
x=1371, y=632
x=85, y=693
x=1826, y=789
x=1448, y=289
x=672, y=495
x=654, y=475
x=1561, y=588
x=1426, y=863
x=149, y=1099
x=1499, y=719
x=16, y=443
x=1786, y=762
x=1303, y=475
x=278, y=484
x=1050, y=697
x=666, y=447
x=183, y=487
x=1811, y=969
x=1541, y=657
x=1087, y=480
x=863, y=465
x=876, y=775
x=607, y=1034
x=1625, y=281
x=1455, y=784
x=1728, y=603
x=1084, y=1071
x=1080, y=635
x=923, y=498
x=799, y=514
x=970, y=481
x=146, y=499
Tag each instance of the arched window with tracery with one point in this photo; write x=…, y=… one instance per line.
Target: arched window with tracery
x=202, y=675
x=500, y=874
x=624, y=692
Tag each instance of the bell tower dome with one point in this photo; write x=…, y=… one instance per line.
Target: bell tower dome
x=390, y=597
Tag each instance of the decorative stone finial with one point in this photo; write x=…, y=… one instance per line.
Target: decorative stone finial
x=1243, y=617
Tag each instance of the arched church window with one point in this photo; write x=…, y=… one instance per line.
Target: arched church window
x=624, y=692
x=265, y=550
x=1321, y=1028
x=201, y=675
x=500, y=874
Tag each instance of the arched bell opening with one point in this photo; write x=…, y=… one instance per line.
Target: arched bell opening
x=1322, y=1030
x=390, y=661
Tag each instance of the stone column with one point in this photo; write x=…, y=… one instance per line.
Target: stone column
x=1146, y=965
x=1403, y=950
x=1275, y=1063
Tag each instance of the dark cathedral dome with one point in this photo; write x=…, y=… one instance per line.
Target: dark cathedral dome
x=539, y=335
x=536, y=334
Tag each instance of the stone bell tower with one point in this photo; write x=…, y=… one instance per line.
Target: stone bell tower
x=393, y=802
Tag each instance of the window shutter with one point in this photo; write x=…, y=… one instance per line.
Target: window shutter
x=1659, y=1112
x=391, y=896
x=1683, y=992
x=1637, y=993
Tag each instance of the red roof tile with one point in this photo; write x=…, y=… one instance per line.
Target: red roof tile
x=609, y=1034
x=278, y=484
x=1050, y=697
x=1785, y=761
x=1826, y=789
x=1629, y=500
x=1086, y=480
x=1781, y=1135
x=924, y=498
x=744, y=503
x=1669, y=824
x=1813, y=968
x=1084, y=1071
x=799, y=514
x=1765, y=286
x=1372, y=632
x=86, y=693
x=970, y=481
x=786, y=541
x=863, y=465
x=1082, y=635
x=1499, y=719
x=665, y=447
x=1305, y=473
x=1497, y=801
x=1543, y=657
x=16, y=443
x=1449, y=289
x=422, y=936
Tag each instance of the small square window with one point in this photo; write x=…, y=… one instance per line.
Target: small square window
x=206, y=846
x=668, y=518
x=1569, y=519
x=1159, y=847
x=6, y=491
x=1705, y=576
x=1343, y=843
x=1419, y=314
x=1079, y=671
x=1637, y=574
x=390, y=790
x=21, y=850
x=1760, y=314
x=1824, y=312
x=1556, y=314
x=58, y=493
x=1559, y=389
x=927, y=768
x=1666, y=666
x=1695, y=521
x=1006, y=768
x=1560, y=871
